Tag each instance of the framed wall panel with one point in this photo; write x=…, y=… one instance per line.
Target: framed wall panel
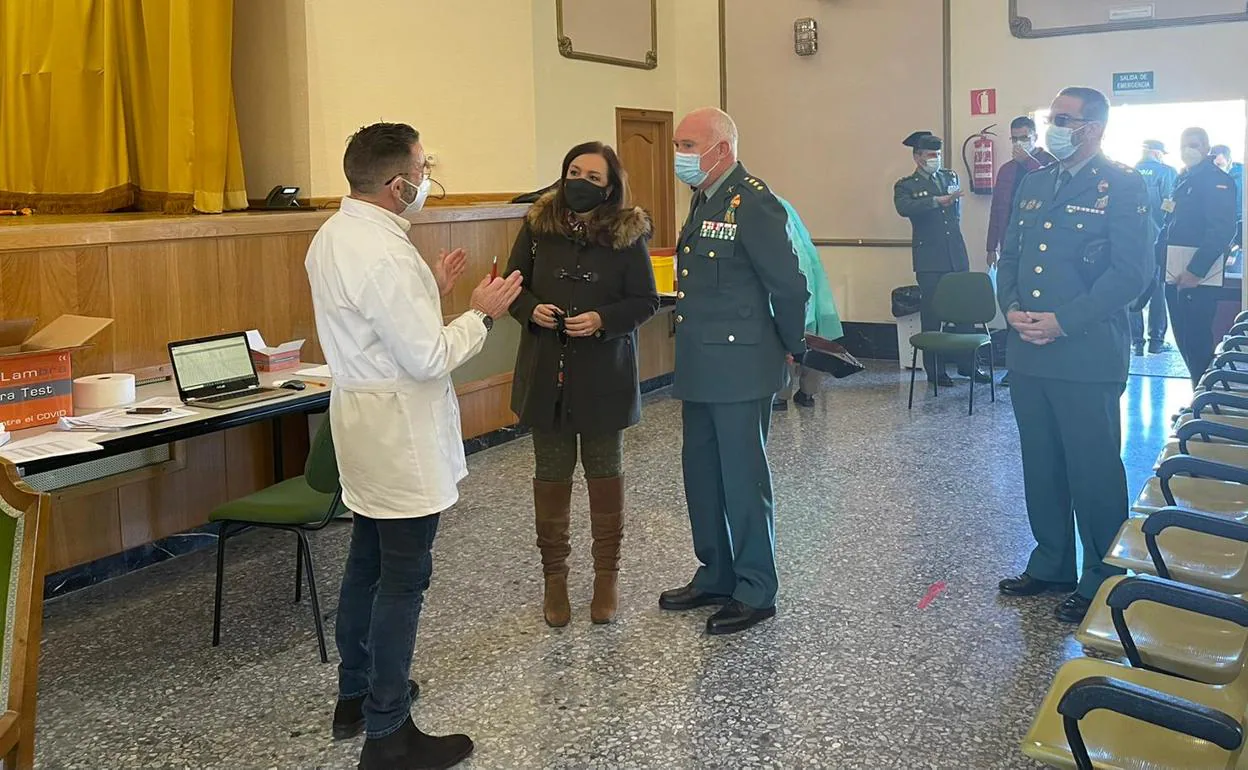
x=1051, y=18
x=620, y=32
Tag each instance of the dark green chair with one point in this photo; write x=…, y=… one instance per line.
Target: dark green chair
x=962, y=299
x=300, y=505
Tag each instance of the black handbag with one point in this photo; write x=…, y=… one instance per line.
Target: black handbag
x=906, y=301
x=829, y=357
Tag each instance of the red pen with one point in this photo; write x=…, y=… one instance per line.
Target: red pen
x=494, y=268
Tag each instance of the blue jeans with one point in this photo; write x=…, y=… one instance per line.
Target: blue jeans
x=388, y=569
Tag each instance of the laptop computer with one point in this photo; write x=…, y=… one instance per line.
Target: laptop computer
x=217, y=372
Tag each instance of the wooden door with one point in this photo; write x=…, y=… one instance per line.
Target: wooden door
x=644, y=141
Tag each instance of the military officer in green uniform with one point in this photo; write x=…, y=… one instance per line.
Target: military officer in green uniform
x=1075, y=257
x=740, y=312
x=931, y=199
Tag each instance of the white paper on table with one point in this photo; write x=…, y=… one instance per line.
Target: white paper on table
x=166, y=402
x=321, y=371
x=118, y=419
x=255, y=341
x=51, y=444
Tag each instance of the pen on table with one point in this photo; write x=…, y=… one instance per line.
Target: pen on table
x=494, y=268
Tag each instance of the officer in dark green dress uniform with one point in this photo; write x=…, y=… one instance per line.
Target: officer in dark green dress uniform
x=740, y=311
x=930, y=199
x=1075, y=256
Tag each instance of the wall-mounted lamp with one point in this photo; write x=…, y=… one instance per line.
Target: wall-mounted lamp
x=805, y=37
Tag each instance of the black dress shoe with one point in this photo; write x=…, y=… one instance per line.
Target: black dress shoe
x=1138, y=348
x=689, y=598
x=1158, y=346
x=803, y=399
x=1072, y=609
x=737, y=616
x=779, y=405
x=349, y=714
x=409, y=749
x=1026, y=585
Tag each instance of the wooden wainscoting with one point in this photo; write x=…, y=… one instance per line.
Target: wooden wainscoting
x=656, y=346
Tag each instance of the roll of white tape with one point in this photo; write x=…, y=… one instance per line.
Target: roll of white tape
x=103, y=391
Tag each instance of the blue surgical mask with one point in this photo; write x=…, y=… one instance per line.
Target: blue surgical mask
x=689, y=168
x=1061, y=141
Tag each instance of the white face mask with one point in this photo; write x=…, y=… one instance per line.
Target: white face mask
x=416, y=204
x=1192, y=156
x=1027, y=145
x=932, y=165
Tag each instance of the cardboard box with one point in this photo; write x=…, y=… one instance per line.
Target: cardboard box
x=36, y=370
x=273, y=359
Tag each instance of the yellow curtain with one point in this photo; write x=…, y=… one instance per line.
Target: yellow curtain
x=110, y=104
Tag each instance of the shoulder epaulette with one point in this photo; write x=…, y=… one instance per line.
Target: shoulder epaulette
x=754, y=183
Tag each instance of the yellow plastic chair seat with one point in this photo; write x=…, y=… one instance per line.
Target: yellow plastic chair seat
x=1116, y=742
x=1173, y=640
x=1237, y=421
x=1231, y=454
x=1225, y=498
x=1192, y=557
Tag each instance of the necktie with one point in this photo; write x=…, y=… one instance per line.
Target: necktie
x=1062, y=180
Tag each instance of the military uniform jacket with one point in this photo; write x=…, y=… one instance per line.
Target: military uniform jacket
x=1080, y=252
x=1203, y=217
x=742, y=300
x=938, y=246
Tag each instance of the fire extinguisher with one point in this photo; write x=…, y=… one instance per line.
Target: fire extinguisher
x=980, y=166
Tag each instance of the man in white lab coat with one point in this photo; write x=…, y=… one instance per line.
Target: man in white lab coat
x=395, y=422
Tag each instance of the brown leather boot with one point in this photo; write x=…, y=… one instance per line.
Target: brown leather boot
x=606, y=522
x=552, y=502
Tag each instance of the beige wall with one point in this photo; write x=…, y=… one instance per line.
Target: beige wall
x=483, y=81
x=1199, y=63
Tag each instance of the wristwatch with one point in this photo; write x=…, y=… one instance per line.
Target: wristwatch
x=485, y=319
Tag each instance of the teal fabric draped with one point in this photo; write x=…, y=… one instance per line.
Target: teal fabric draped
x=821, y=316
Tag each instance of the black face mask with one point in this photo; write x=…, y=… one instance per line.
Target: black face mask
x=582, y=195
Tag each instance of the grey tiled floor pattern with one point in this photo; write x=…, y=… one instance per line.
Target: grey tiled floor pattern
x=875, y=507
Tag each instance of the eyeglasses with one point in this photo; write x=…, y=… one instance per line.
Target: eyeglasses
x=1062, y=120
x=426, y=172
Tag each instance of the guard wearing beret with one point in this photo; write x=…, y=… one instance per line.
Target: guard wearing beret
x=930, y=199
x=1074, y=259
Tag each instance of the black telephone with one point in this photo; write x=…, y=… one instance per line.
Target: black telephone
x=282, y=197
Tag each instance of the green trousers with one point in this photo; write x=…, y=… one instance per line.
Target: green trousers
x=728, y=490
x=555, y=455
x=1071, y=438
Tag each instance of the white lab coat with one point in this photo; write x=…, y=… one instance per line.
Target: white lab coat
x=393, y=409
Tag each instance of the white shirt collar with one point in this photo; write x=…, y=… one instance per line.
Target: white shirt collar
x=372, y=212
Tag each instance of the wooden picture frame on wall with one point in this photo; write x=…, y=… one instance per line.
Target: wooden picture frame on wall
x=1045, y=18
x=624, y=33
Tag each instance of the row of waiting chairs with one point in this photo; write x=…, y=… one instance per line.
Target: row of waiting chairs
x=1180, y=619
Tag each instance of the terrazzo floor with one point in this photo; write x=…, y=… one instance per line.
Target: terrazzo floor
x=876, y=507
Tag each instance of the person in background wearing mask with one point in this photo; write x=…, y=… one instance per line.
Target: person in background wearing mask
x=1159, y=177
x=1026, y=157
x=588, y=286
x=929, y=198
x=395, y=427
x=1073, y=259
x=1193, y=244
x=740, y=314
x=1222, y=158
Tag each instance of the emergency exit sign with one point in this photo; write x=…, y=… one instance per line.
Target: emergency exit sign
x=1133, y=82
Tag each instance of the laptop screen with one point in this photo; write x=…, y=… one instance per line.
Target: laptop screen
x=213, y=364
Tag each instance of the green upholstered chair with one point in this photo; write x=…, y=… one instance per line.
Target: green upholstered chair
x=300, y=505
x=24, y=516
x=962, y=299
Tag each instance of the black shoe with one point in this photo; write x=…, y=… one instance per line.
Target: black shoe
x=1138, y=348
x=736, y=617
x=349, y=714
x=1005, y=381
x=944, y=381
x=409, y=749
x=1158, y=346
x=1026, y=585
x=1073, y=608
x=779, y=405
x=689, y=598
x=803, y=399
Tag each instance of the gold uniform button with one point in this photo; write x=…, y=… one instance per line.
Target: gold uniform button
x=711, y=254
x=680, y=295
x=1039, y=269
x=684, y=273
x=1044, y=247
x=1079, y=226
x=680, y=319
x=732, y=338
x=686, y=249
x=1048, y=225
x=1036, y=293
